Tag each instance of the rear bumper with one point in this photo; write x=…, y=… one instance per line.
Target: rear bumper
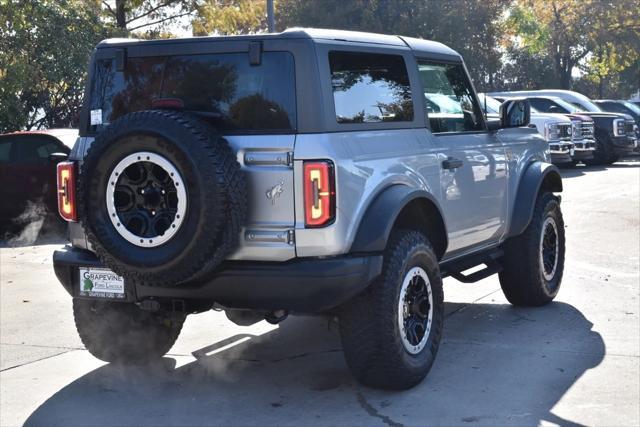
x=305, y=285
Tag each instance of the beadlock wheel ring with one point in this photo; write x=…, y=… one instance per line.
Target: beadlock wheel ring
x=549, y=249
x=138, y=217
x=415, y=310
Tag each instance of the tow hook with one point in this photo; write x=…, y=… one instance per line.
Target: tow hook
x=276, y=316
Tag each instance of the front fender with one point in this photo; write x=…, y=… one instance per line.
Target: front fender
x=537, y=176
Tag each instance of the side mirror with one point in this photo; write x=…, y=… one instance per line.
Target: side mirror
x=58, y=157
x=515, y=113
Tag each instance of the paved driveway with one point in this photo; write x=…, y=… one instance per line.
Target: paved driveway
x=576, y=361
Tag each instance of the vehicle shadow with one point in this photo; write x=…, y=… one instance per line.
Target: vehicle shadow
x=580, y=170
x=497, y=365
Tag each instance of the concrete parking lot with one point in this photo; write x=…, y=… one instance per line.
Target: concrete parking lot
x=573, y=362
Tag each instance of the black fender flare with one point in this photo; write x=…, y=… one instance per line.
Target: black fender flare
x=538, y=175
x=381, y=215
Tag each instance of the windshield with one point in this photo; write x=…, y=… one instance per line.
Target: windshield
x=587, y=105
x=570, y=107
x=438, y=103
x=631, y=106
x=493, y=105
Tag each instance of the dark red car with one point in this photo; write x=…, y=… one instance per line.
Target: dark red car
x=28, y=169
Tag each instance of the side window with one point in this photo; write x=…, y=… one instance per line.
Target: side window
x=5, y=151
x=35, y=149
x=451, y=106
x=370, y=88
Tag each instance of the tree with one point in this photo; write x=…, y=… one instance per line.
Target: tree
x=437, y=20
x=614, y=65
x=230, y=17
x=133, y=15
x=598, y=36
x=45, y=47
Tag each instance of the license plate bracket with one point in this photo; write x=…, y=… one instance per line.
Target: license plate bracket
x=100, y=283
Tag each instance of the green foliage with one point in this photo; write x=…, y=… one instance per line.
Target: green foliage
x=600, y=38
x=471, y=27
x=524, y=25
x=45, y=46
x=590, y=45
x=230, y=17
x=135, y=15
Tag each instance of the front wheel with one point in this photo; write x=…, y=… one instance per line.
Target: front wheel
x=534, y=261
x=391, y=332
x=122, y=332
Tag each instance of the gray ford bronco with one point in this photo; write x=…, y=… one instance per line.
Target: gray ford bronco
x=311, y=171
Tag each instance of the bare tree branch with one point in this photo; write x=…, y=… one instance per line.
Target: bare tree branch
x=168, y=18
x=150, y=11
x=109, y=8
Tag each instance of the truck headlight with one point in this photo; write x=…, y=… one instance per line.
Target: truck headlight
x=618, y=127
x=551, y=132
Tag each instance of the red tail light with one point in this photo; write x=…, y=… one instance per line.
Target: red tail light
x=319, y=193
x=67, y=191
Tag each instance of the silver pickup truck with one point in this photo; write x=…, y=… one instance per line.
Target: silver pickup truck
x=312, y=171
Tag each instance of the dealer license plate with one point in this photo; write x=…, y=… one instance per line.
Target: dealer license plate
x=101, y=283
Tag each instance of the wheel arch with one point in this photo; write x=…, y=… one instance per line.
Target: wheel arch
x=400, y=206
x=537, y=177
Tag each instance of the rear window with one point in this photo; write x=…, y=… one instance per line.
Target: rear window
x=224, y=88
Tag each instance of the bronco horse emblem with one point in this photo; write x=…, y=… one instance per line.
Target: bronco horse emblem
x=275, y=192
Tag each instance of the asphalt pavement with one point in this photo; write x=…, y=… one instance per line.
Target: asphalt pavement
x=573, y=362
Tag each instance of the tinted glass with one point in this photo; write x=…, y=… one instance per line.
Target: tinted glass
x=611, y=106
x=492, y=104
x=224, y=88
x=451, y=106
x=370, y=88
x=544, y=105
x=5, y=151
x=631, y=106
x=35, y=149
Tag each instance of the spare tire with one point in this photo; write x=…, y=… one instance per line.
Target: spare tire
x=161, y=197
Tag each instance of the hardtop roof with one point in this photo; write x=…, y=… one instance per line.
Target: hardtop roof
x=317, y=35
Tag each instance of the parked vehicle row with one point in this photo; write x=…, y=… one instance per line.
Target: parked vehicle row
x=570, y=136
x=616, y=133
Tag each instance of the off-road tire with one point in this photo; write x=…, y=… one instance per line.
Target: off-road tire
x=216, y=202
x=522, y=279
x=122, y=333
x=371, y=337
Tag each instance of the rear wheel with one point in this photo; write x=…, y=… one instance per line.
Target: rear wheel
x=391, y=332
x=534, y=261
x=121, y=332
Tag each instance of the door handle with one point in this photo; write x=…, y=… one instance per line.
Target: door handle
x=451, y=163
